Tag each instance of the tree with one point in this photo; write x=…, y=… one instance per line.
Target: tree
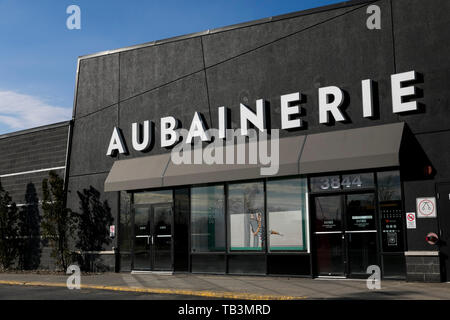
x=8, y=229
x=29, y=231
x=58, y=223
x=93, y=222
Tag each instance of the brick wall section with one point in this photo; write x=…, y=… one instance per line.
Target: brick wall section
x=34, y=149
x=423, y=268
x=29, y=150
x=17, y=186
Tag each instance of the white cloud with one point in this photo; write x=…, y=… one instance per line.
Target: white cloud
x=20, y=111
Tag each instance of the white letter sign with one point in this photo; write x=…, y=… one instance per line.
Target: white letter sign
x=258, y=118
x=168, y=134
x=287, y=110
x=367, y=98
x=326, y=107
x=197, y=129
x=135, y=136
x=398, y=92
x=116, y=143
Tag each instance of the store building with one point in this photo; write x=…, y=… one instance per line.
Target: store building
x=364, y=128
x=349, y=171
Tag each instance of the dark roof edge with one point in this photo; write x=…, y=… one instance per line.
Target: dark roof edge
x=36, y=129
x=344, y=4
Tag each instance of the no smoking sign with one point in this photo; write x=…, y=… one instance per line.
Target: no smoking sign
x=411, y=220
x=426, y=207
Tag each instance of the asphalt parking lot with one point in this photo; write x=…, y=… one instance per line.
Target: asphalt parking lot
x=15, y=292
x=126, y=286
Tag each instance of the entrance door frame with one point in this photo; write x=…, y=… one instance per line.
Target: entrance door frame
x=444, y=261
x=343, y=194
x=151, y=208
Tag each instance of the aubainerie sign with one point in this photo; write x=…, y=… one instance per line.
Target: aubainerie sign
x=331, y=99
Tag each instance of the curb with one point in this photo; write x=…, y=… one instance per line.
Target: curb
x=199, y=293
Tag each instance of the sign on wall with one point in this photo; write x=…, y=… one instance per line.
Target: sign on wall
x=426, y=207
x=347, y=182
x=331, y=99
x=411, y=220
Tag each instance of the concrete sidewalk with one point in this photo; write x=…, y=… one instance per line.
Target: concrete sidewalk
x=240, y=287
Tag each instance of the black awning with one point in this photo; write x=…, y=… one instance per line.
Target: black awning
x=353, y=149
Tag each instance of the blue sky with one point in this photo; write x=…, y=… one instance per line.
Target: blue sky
x=38, y=54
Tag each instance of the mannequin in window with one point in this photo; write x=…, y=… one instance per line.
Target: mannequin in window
x=256, y=228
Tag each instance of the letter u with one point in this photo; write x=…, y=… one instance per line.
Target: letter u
x=142, y=143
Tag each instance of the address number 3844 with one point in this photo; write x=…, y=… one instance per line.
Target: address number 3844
x=336, y=183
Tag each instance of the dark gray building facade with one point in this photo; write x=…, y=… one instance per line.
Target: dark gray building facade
x=26, y=159
x=363, y=180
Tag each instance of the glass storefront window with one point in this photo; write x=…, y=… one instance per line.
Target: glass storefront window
x=357, y=181
x=207, y=219
x=328, y=213
x=151, y=197
x=246, y=216
x=326, y=183
x=391, y=211
x=389, y=187
x=360, y=211
x=287, y=212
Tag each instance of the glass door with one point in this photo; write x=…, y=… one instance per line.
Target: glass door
x=153, y=237
x=329, y=236
x=361, y=233
x=345, y=234
x=162, y=237
x=142, y=237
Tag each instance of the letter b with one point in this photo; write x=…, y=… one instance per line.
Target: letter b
x=168, y=134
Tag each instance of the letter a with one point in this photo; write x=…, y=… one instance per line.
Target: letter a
x=373, y=282
x=74, y=281
x=74, y=20
x=374, y=21
x=116, y=143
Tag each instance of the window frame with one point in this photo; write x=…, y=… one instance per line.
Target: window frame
x=305, y=216
x=224, y=219
x=263, y=249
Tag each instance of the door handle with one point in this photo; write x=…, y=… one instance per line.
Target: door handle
x=152, y=240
